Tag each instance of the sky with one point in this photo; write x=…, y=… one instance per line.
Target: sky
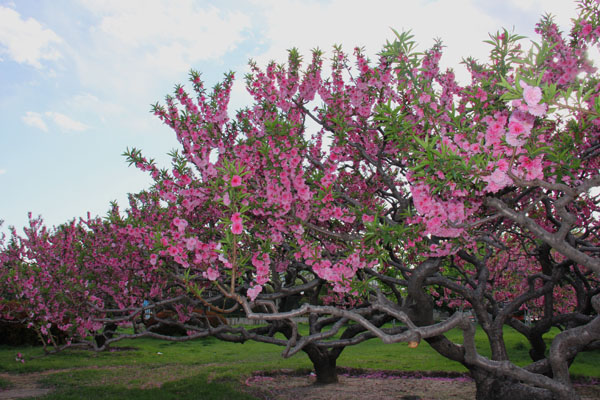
x=78, y=77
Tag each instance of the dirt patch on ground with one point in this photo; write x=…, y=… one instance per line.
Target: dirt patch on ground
x=290, y=385
x=375, y=385
x=23, y=385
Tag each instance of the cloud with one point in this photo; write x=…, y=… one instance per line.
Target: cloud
x=2, y=171
x=462, y=25
x=136, y=50
x=87, y=104
x=192, y=32
x=156, y=35
x=26, y=41
x=34, y=119
x=66, y=123
x=351, y=23
x=38, y=120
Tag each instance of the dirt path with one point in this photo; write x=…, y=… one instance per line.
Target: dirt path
x=353, y=388
x=24, y=385
x=289, y=385
x=376, y=386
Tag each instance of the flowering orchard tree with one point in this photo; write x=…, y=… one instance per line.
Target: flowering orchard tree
x=412, y=189
x=77, y=280
x=86, y=278
x=375, y=192
x=234, y=234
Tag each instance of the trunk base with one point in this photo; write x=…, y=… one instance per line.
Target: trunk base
x=325, y=366
x=491, y=387
x=326, y=374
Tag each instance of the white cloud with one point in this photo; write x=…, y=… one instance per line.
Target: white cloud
x=26, y=41
x=562, y=10
x=2, y=171
x=65, y=122
x=462, y=25
x=137, y=50
x=169, y=36
x=38, y=120
x=89, y=104
x=198, y=32
x=35, y=119
x=351, y=23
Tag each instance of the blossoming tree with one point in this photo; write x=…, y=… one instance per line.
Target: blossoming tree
x=412, y=187
x=386, y=189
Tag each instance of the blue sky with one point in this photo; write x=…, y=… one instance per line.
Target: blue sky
x=78, y=76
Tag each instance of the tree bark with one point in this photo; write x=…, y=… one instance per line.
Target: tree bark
x=324, y=363
x=490, y=387
x=107, y=333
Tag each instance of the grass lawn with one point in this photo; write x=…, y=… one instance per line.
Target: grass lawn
x=210, y=369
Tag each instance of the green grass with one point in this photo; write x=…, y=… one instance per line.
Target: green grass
x=4, y=384
x=210, y=369
x=196, y=387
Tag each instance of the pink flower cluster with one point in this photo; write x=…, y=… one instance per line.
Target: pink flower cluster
x=237, y=226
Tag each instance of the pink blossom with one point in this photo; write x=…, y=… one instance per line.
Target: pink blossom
x=211, y=274
x=253, y=292
x=236, y=180
x=519, y=105
x=531, y=94
x=513, y=141
x=587, y=29
x=191, y=243
x=538, y=110
x=174, y=250
x=153, y=259
x=286, y=198
x=518, y=131
x=181, y=224
x=367, y=218
x=495, y=130
x=422, y=199
x=276, y=237
x=456, y=211
x=298, y=229
x=237, y=227
x=496, y=181
x=226, y=200
x=236, y=217
x=502, y=164
x=516, y=128
x=185, y=180
x=337, y=212
x=424, y=98
x=304, y=193
x=532, y=168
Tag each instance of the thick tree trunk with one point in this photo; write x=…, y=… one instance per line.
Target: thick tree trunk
x=326, y=371
x=107, y=333
x=491, y=387
x=538, y=347
x=324, y=363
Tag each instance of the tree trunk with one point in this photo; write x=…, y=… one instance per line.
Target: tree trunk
x=107, y=333
x=491, y=387
x=326, y=371
x=538, y=347
x=324, y=363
